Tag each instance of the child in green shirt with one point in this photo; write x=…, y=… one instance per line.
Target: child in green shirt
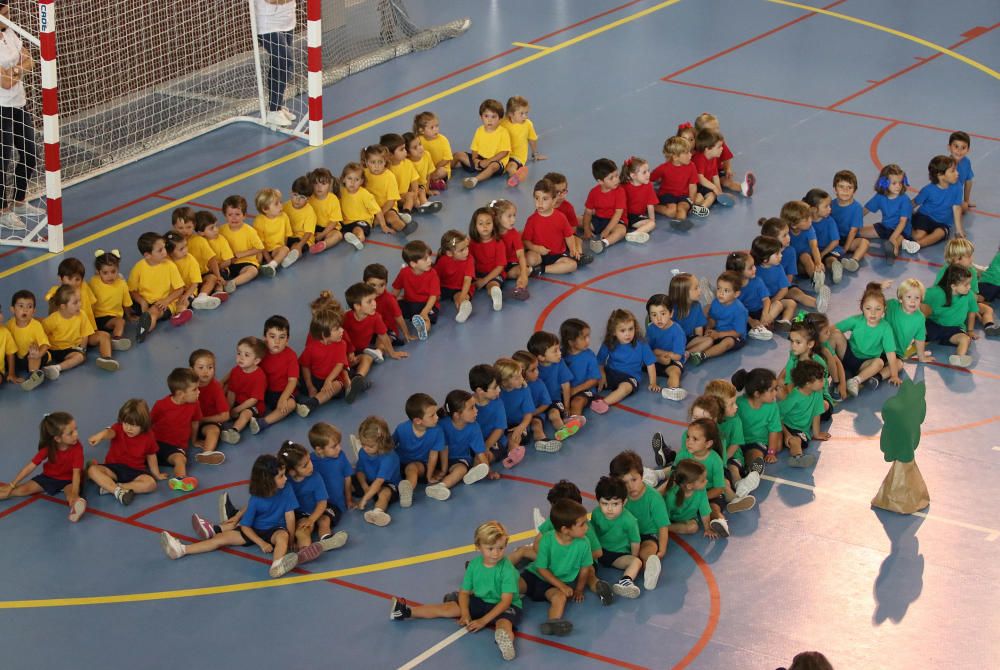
x=958, y=251
x=687, y=501
x=618, y=532
x=801, y=410
x=489, y=593
x=743, y=478
x=759, y=414
x=872, y=345
x=649, y=510
x=950, y=308
x=908, y=323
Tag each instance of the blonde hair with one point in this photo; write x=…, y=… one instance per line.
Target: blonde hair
x=374, y=429
x=794, y=211
x=516, y=102
x=323, y=434
x=910, y=285
x=721, y=388
x=265, y=198
x=507, y=368
x=450, y=241
x=704, y=118
x=489, y=533
x=325, y=301
x=675, y=146
x=956, y=248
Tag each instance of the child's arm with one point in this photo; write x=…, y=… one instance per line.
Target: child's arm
x=74, y=488
x=651, y=371
x=154, y=468
x=588, y=227
x=425, y=312
x=290, y=525
x=634, y=548
x=518, y=431
x=348, y=499
x=432, y=466
x=663, y=537
x=168, y=300
x=11, y=375
x=970, y=321
x=891, y=357
x=215, y=418
x=566, y=394
x=664, y=357
x=5, y=489
x=401, y=325
x=380, y=220
x=389, y=204
x=535, y=156
x=693, y=191
x=332, y=377
x=384, y=343
x=585, y=386
x=371, y=491
x=466, y=287
x=547, y=575
x=478, y=624
x=139, y=300
x=310, y=521
x=574, y=245
x=774, y=443
x=581, y=582
x=829, y=247
x=706, y=523
x=252, y=535
x=97, y=438
x=492, y=439
x=522, y=263
x=717, y=184
x=537, y=248
x=967, y=196
x=814, y=252
x=956, y=211
x=616, y=218
x=705, y=181
x=817, y=433
x=289, y=392
x=246, y=404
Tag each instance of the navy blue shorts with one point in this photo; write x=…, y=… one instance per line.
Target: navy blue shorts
x=166, y=451
x=599, y=223
x=852, y=364
x=651, y=537
x=797, y=433
x=478, y=608
x=102, y=321
x=459, y=461
x=990, y=292
x=358, y=492
x=752, y=446
x=738, y=342
x=50, y=485
x=21, y=363
x=670, y=199
x=60, y=355
x=549, y=259
x=265, y=534
x=536, y=586
x=942, y=334
x=364, y=226
x=921, y=221
x=236, y=268
x=661, y=369
x=411, y=309
x=616, y=378
x=884, y=232
x=635, y=219
x=608, y=558
x=123, y=474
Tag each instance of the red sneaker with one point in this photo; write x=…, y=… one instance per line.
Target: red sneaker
x=181, y=318
x=317, y=248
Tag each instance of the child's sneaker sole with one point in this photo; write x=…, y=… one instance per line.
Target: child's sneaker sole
x=438, y=492
x=420, y=326
x=377, y=517
x=548, y=446
x=636, y=237
x=78, y=509
x=109, y=364
x=651, y=576
x=405, y=490
x=743, y=504
x=604, y=592
x=719, y=526
x=626, y=590
x=283, y=566
x=230, y=436
x=558, y=627
x=505, y=644
x=310, y=553
x=476, y=473
x=211, y=457
x=335, y=541
x=354, y=241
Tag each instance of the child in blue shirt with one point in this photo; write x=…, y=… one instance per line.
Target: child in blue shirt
x=544, y=407
x=310, y=491
x=938, y=206
x=684, y=294
x=574, y=336
x=761, y=312
x=959, y=143
x=727, y=319
x=419, y=443
x=377, y=473
x=828, y=236
x=848, y=214
x=330, y=461
x=623, y=357
x=520, y=407
x=492, y=417
x=890, y=200
x=667, y=341
x=464, y=459
x=552, y=370
x=765, y=252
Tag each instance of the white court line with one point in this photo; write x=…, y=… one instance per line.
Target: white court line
x=417, y=660
x=991, y=533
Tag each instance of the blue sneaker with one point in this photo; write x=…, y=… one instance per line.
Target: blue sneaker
x=420, y=326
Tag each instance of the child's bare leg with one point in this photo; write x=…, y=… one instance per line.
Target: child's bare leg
x=242, y=420
x=631, y=565
x=179, y=463
x=102, y=340
x=793, y=443
x=684, y=527
x=208, y=284
x=247, y=274
x=801, y=297
x=211, y=433
x=413, y=472
x=669, y=211
x=557, y=603
x=614, y=234
x=708, y=200
x=455, y=474
x=393, y=221
x=673, y=377
x=870, y=368
x=806, y=265
x=227, y=538
x=555, y=418
x=537, y=429
x=562, y=266
x=577, y=405
x=961, y=342
x=623, y=391
x=491, y=169
x=925, y=239
x=279, y=254
x=448, y=610
x=859, y=247
x=303, y=537
x=382, y=498
x=324, y=526
x=682, y=210
x=101, y=476
x=698, y=343
x=647, y=549
x=280, y=542
x=327, y=393
x=71, y=361
x=720, y=347
x=787, y=308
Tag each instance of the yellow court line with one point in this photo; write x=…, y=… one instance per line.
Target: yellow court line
x=892, y=31
x=251, y=586
x=345, y=134
x=525, y=45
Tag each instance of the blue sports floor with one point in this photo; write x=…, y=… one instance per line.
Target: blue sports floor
x=799, y=95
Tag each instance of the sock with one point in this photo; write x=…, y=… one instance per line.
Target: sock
x=605, y=242
x=272, y=264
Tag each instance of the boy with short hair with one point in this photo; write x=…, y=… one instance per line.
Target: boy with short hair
x=727, y=319
x=30, y=341
x=245, y=243
x=281, y=367
x=605, y=207
x=215, y=421
x=330, y=461
x=246, y=383
x=959, y=144
x=542, y=399
x=520, y=407
x=130, y=466
x=678, y=184
x=220, y=262
x=490, y=146
x=365, y=327
x=386, y=305
x=848, y=214
x=618, y=533
x=183, y=220
x=548, y=234
x=484, y=382
x=302, y=218
x=552, y=370
x=419, y=443
x=155, y=284
x=938, y=206
x=650, y=512
x=174, y=420
x=708, y=145
x=418, y=287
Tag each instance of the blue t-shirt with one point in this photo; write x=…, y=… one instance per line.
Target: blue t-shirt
x=583, y=366
x=965, y=172
x=695, y=319
x=380, y=466
x=411, y=448
x=800, y=241
x=539, y=394
x=729, y=317
x=334, y=471
x=892, y=209
x=789, y=261
x=630, y=358
x=670, y=339
x=517, y=403
x=463, y=444
x=774, y=278
x=936, y=202
x=554, y=376
x=752, y=295
x=492, y=416
x=826, y=232
x=268, y=513
x=310, y=491
x=847, y=216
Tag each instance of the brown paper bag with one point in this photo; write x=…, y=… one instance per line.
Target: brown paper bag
x=903, y=490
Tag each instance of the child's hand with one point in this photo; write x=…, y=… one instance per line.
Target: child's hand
x=711, y=534
x=822, y=437
x=94, y=439
x=306, y=525
x=475, y=624
x=396, y=355
x=543, y=157
x=161, y=476
x=362, y=504
x=34, y=352
x=927, y=357
x=710, y=333
x=578, y=596
x=433, y=479
x=351, y=504
x=5, y=490
x=973, y=335
x=542, y=251
x=566, y=591
x=895, y=380
x=654, y=387
x=14, y=379
x=464, y=621
x=770, y=457
x=522, y=281
x=886, y=284
x=493, y=476
x=266, y=547
x=516, y=434
x=385, y=229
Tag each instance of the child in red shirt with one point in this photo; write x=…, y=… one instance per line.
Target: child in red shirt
x=746, y=187
x=326, y=362
x=707, y=149
x=604, y=210
x=281, y=368
x=215, y=422
x=130, y=466
x=364, y=327
x=489, y=256
x=455, y=270
x=246, y=383
x=640, y=198
x=518, y=266
x=175, y=418
x=678, y=183
x=60, y=449
x=418, y=288
x=386, y=305
x=548, y=234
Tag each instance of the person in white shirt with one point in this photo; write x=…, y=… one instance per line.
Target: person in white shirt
x=17, y=128
x=275, y=23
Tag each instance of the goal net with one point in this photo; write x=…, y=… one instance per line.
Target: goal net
x=139, y=76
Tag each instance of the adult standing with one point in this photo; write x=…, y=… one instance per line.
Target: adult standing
x=17, y=128
x=275, y=23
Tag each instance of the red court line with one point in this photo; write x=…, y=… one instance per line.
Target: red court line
x=21, y=505
x=751, y=40
x=969, y=35
x=185, y=497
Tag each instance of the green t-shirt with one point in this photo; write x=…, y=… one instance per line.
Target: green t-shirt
x=490, y=584
x=975, y=276
x=564, y=560
x=692, y=507
x=797, y=410
x=956, y=314
x=867, y=342
x=713, y=466
x=731, y=432
x=616, y=534
x=592, y=540
x=905, y=327
x=649, y=511
x=758, y=423
x=992, y=274
x=793, y=361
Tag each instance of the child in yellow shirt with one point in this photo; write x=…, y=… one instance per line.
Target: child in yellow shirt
x=244, y=241
x=206, y=227
x=68, y=331
x=274, y=229
x=414, y=197
x=325, y=201
x=30, y=342
x=113, y=298
x=381, y=183
x=71, y=273
x=196, y=287
x=360, y=209
x=522, y=135
x=490, y=146
x=302, y=217
x=155, y=285
x=427, y=127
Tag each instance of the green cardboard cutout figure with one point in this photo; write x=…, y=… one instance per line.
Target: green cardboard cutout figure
x=903, y=489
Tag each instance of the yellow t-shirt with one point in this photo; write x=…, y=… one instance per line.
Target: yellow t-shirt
x=302, y=219
x=87, y=301
x=188, y=269
x=359, y=206
x=201, y=251
x=112, y=299
x=424, y=167
x=7, y=348
x=440, y=150
x=487, y=145
x=33, y=333
x=244, y=239
x=520, y=135
x=220, y=245
x=405, y=173
x=273, y=232
x=382, y=186
x=66, y=333
x=327, y=211
x=154, y=282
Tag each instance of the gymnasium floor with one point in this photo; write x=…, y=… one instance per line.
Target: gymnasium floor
x=800, y=95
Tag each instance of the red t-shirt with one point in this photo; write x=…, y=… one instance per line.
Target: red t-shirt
x=638, y=198
x=604, y=203
x=674, y=179
x=488, y=256
x=548, y=231
x=452, y=273
x=131, y=451
x=279, y=367
x=212, y=399
x=707, y=167
x=512, y=244
x=726, y=153
x=245, y=385
x=320, y=359
x=65, y=462
x=387, y=307
x=566, y=207
x=172, y=422
x=417, y=287
x=360, y=333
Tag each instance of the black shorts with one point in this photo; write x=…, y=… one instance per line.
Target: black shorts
x=635, y=219
x=608, y=558
x=123, y=474
x=990, y=292
x=942, y=334
x=752, y=446
x=756, y=314
x=670, y=199
x=536, y=586
x=549, y=259
x=738, y=342
x=50, y=485
x=365, y=227
x=332, y=512
x=478, y=608
x=615, y=378
x=921, y=221
x=60, y=355
x=265, y=534
x=598, y=224
x=704, y=190
x=797, y=433
x=271, y=399
x=411, y=309
x=588, y=397
x=358, y=492
x=509, y=267
x=450, y=293
x=501, y=449
x=453, y=462
x=477, y=165
x=102, y=321
x=852, y=364
x=499, y=278
x=719, y=501
x=138, y=311
x=511, y=159
x=884, y=232
x=166, y=451
x=236, y=268
x=21, y=363
x=651, y=537
x=203, y=426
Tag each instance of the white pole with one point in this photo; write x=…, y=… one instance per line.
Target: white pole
x=256, y=61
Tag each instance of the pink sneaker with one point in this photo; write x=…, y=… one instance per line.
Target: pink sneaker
x=513, y=180
x=181, y=318
x=520, y=294
x=317, y=248
x=310, y=553
x=600, y=406
x=202, y=528
x=221, y=295
x=439, y=185
x=514, y=457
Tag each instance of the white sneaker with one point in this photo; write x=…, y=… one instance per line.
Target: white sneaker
x=823, y=300
x=377, y=517
x=836, y=271
x=172, y=547
x=649, y=477
x=476, y=473
x=284, y=111
x=464, y=310
x=405, y=489
x=277, y=119
x=854, y=386
x=497, y=295
x=960, y=361
x=292, y=256
x=676, y=394
x=353, y=240
x=748, y=484
x=205, y=302
x=819, y=280
x=720, y=526
x=27, y=209
x=910, y=247
x=651, y=576
x=11, y=221
x=850, y=264
x=286, y=563
x=597, y=246
x=637, y=237
x=761, y=333
x=51, y=372
x=536, y=518
x=438, y=492
x=376, y=355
